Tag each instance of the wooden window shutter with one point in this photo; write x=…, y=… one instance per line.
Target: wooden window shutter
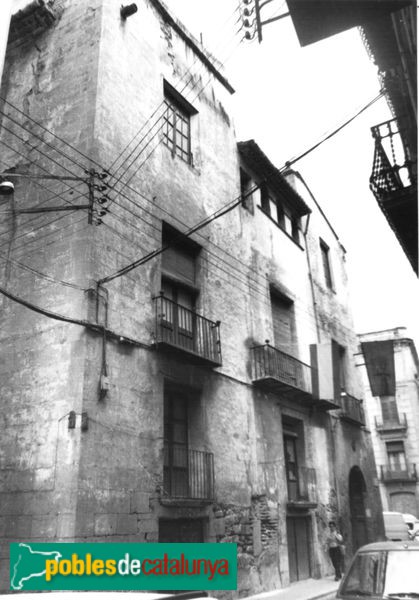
x=282, y=320
x=179, y=263
x=389, y=409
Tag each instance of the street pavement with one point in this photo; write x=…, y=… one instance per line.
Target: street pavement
x=309, y=589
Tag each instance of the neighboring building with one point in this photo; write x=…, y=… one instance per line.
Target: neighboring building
x=391, y=387
x=389, y=31
x=207, y=392
x=391, y=41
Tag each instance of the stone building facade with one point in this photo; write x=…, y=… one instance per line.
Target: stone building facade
x=391, y=390
x=209, y=392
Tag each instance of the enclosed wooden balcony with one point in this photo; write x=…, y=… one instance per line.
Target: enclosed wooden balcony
x=188, y=474
x=181, y=331
x=276, y=371
x=351, y=409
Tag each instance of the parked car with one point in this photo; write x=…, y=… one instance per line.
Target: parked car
x=395, y=528
x=412, y=523
x=383, y=571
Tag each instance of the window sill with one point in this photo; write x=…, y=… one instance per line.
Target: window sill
x=281, y=228
x=190, y=165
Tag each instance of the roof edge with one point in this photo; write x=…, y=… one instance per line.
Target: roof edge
x=251, y=151
x=191, y=42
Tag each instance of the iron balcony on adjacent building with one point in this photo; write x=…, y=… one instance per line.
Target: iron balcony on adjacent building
x=351, y=409
x=394, y=184
x=188, y=474
x=396, y=424
x=398, y=473
x=276, y=371
x=183, y=331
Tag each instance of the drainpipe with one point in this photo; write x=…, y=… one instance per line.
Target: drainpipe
x=305, y=232
x=5, y=14
x=331, y=420
x=310, y=275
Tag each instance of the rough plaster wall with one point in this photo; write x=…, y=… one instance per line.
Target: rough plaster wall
x=114, y=490
x=52, y=78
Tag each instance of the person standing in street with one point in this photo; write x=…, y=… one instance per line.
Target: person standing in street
x=334, y=542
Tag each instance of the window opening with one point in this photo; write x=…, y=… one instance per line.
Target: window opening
x=325, y=252
x=177, y=124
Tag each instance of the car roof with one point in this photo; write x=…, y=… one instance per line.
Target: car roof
x=389, y=546
x=410, y=517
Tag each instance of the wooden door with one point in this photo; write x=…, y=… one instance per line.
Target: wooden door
x=299, y=542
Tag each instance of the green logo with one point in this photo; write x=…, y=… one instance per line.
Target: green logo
x=123, y=566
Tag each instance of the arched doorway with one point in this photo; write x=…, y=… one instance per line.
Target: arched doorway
x=357, y=493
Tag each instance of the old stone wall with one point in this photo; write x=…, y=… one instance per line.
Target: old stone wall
x=98, y=82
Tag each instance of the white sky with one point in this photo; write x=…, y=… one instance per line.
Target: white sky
x=287, y=98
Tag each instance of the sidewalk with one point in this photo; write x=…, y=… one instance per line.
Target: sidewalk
x=309, y=589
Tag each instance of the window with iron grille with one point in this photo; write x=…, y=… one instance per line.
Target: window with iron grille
x=177, y=124
x=325, y=252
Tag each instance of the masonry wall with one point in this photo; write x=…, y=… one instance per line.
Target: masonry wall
x=96, y=81
x=52, y=78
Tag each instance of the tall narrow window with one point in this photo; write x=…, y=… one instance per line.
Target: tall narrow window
x=283, y=322
x=389, y=409
x=339, y=359
x=342, y=367
x=179, y=288
x=396, y=456
x=280, y=215
x=265, y=200
x=245, y=187
x=175, y=443
x=325, y=252
x=176, y=124
x=295, y=228
x=291, y=466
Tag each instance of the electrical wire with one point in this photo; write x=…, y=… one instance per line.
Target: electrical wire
x=88, y=158
x=332, y=133
x=37, y=136
x=66, y=319
x=36, y=149
x=161, y=118
x=39, y=273
x=286, y=166
x=41, y=185
x=216, y=215
x=188, y=72
x=357, y=113
x=299, y=157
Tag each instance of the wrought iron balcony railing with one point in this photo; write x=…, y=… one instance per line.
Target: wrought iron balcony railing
x=351, y=409
x=277, y=371
x=188, y=474
x=398, y=423
x=393, y=169
x=301, y=485
x=391, y=473
x=183, y=330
